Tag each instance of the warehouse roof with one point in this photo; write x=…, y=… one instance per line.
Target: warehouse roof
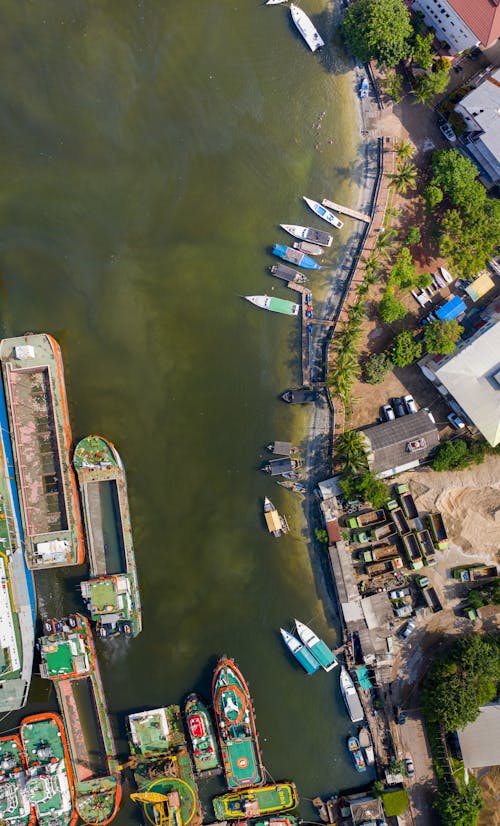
x=402, y=443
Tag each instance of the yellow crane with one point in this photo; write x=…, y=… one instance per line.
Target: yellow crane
x=166, y=807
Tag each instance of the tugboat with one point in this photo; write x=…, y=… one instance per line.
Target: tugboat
x=276, y=524
x=15, y=807
x=235, y=719
x=356, y=754
x=201, y=733
x=248, y=803
x=316, y=646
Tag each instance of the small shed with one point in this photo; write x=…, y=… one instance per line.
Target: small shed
x=480, y=286
x=452, y=309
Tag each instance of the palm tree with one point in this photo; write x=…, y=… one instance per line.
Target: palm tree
x=385, y=239
x=404, y=151
x=393, y=212
x=350, y=449
x=404, y=178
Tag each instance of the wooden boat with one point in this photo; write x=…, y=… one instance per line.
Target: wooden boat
x=288, y=274
x=309, y=249
x=276, y=524
x=324, y=213
x=299, y=395
x=296, y=487
x=356, y=754
x=295, y=257
x=283, y=448
x=306, y=28
x=301, y=653
x=315, y=236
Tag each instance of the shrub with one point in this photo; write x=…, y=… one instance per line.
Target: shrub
x=390, y=309
x=442, y=336
x=405, y=349
x=376, y=368
x=451, y=455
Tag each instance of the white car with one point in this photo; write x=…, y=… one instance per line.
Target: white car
x=410, y=769
x=455, y=421
x=409, y=403
x=388, y=412
x=448, y=132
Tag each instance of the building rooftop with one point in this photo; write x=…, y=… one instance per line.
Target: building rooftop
x=479, y=749
x=483, y=105
x=343, y=572
x=394, y=446
x=481, y=16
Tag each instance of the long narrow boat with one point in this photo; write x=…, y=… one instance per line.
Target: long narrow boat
x=356, y=754
x=324, y=213
x=350, y=695
x=276, y=523
x=288, y=274
x=235, y=719
x=69, y=660
x=295, y=257
x=201, y=733
x=306, y=28
x=316, y=646
x=289, y=484
x=308, y=248
x=275, y=305
x=275, y=797
x=17, y=598
x=35, y=392
x=15, y=806
x=49, y=776
x=112, y=592
x=300, y=652
x=315, y=236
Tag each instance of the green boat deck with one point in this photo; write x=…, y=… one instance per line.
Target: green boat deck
x=15, y=807
x=276, y=797
x=48, y=785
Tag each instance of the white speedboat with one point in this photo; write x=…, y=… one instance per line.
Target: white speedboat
x=306, y=28
x=316, y=236
x=323, y=212
x=316, y=646
x=350, y=695
x=276, y=305
x=274, y=2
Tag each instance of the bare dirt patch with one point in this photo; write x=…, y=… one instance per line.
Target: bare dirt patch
x=490, y=790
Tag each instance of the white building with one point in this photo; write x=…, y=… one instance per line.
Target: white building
x=463, y=24
x=480, y=110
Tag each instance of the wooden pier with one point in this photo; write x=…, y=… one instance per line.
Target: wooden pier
x=352, y=213
x=305, y=332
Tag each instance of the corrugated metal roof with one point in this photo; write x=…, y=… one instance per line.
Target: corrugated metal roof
x=480, y=286
x=453, y=308
x=389, y=441
x=481, y=16
x=479, y=749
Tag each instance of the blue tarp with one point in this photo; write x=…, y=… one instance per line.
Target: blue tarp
x=453, y=308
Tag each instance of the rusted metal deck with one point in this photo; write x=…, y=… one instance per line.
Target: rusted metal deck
x=352, y=213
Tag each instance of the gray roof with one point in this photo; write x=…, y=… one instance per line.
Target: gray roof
x=479, y=749
x=343, y=572
x=389, y=441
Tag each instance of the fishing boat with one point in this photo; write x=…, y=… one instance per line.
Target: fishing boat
x=37, y=406
x=49, y=778
x=365, y=741
x=288, y=274
x=238, y=740
x=315, y=236
x=69, y=661
x=295, y=257
x=283, y=448
x=356, y=754
x=296, y=487
x=275, y=305
x=316, y=646
x=162, y=765
x=112, y=592
x=306, y=28
x=324, y=213
x=201, y=733
x=310, y=249
x=290, y=474
x=350, y=695
x=299, y=395
x=300, y=652
x=15, y=805
x=249, y=803
x=364, y=88
x=274, y=2
x=276, y=524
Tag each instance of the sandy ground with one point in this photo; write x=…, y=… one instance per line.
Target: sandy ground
x=490, y=788
x=469, y=501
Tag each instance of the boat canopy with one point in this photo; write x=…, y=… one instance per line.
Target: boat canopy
x=273, y=521
x=279, y=466
x=282, y=448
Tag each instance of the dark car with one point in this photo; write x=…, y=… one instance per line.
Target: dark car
x=398, y=406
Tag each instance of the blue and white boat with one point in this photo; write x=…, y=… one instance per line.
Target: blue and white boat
x=364, y=88
x=323, y=212
x=295, y=257
x=300, y=652
x=316, y=646
x=356, y=754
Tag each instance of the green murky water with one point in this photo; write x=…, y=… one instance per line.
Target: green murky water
x=149, y=150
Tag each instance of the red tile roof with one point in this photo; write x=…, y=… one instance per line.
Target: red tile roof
x=481, y=16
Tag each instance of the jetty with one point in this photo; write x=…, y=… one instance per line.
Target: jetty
x=306, y=319
x=352, y=213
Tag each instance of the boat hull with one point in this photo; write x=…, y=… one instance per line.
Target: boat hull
x=316, y=646
x=276, y=797
x=306, y=28
x=300, y=652
x=202, y=736
x=350, y=695
x=295, y=257
x=324, y=213
x=356, y=754
x=15, y=805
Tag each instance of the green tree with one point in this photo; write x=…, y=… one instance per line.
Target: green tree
x=426, y=87
x=413, y=236
x=390, y=309
x=405, y=348
x=468, y=241
x=373, y=490
x=404, y=272
x=377, y=30
x=433, y=196
x=321, y=535
x=385, y=240
x=442, y=336
x=404, y=178
x=376, y=368
x=350, y=449
x=421, y=50
x=424, y=280
x=453, y=455
x=456, y=175
x=460, y=807
x=392, y=84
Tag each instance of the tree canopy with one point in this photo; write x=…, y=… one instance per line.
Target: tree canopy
x=378, y=30
x=376, y=368
x=405, y=349
x=350, y=449
x=456, y=176
x=403, y=273
x=442, y=336
x=390, y=309
x=427, y=86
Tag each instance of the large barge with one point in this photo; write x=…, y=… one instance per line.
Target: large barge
x=238, y=739
x=69, y=660
x=112, y=592
x=161, y=763
x=15, y=805
x=39, y=422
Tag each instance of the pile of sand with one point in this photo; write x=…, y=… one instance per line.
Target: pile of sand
x=469, y=501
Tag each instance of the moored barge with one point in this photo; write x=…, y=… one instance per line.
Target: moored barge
x=15, y=805
x=69, y=660
x=248, y=803
x=238, y=739
x=39, y=422
x=112, y=592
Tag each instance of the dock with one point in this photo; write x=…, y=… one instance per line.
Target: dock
x=306, y=335
x=351, y=213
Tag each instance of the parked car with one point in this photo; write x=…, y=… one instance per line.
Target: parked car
x=407, y=630
x=409, y=403
x=398, y=406
x=431, y=417
x=448, y=132
x=455, y=421
x=388, y=412
x=410, y=768
x=399, y=593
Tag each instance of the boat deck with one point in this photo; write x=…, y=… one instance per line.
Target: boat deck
x=241, y=764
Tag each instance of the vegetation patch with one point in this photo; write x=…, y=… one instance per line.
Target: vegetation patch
x=395, y=802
